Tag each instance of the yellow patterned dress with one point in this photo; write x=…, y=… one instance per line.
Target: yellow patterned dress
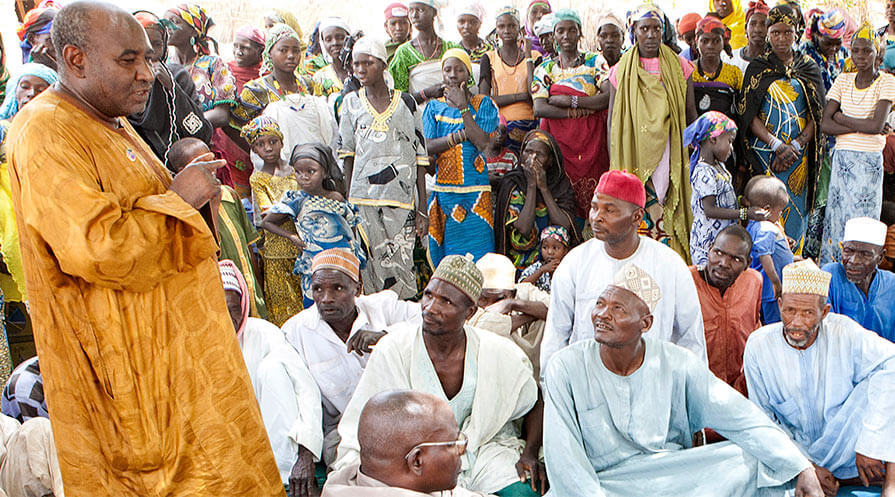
x=282, y=289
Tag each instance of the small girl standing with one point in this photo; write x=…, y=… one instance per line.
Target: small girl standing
x=713, y=202
x=555, y=242
x=282, y=290
x=321, y=217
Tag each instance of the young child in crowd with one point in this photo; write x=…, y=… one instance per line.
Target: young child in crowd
x=555, y=242
x=320, y=216
x=500, y=158
x=713, y=201
x=282, y=290
x=770, y=247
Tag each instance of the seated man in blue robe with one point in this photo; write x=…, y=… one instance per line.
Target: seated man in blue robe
x=858, y=288
x=829, y=383
x=621, y=411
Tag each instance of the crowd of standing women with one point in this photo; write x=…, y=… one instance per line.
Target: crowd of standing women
x=405, y=147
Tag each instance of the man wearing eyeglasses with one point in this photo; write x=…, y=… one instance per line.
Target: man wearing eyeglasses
x=486, y=380
x=410, y=445
x=730, y=298
x=858, y=289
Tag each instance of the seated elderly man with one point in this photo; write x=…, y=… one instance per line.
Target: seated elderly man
x=622, y=409
x=828, y=382
x=616, y=212
x=513, y=310
x=485, y=379
x=730, y=298
x=858, y=288
x=334, y=337
x=410, y=446
x=286, y=392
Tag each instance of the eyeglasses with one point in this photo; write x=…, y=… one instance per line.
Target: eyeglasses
x=460, y=444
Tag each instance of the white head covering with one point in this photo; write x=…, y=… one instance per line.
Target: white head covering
x=372, y=47
x=610, y=18
x=638, y=282
x=544, y=25
x=865, y=229
x=805, y=277
x=498, y=272
x=474, y=9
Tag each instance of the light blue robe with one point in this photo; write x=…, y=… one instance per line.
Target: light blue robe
x=874, y=311
x=608, y=435
x=834, y=398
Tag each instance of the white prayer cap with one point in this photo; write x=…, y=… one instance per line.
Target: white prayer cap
x=865, y=229
x=473, y=9
x=498, y=271
x=372, y=47
x=638, y=282
x=805, y=277
x=544, y=25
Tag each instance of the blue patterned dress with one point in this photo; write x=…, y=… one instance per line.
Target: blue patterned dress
x=461, y=216
x=322, y=223
x=708, y=180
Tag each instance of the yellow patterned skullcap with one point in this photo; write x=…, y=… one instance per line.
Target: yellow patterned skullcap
x=462, y=273
x=339, y=260
x=498, y=272
x=805, y=277
x=638, y=282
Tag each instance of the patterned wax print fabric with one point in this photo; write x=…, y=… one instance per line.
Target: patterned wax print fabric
x=708, y=180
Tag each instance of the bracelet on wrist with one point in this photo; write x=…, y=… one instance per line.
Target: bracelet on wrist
x=574, y=101
x=744, y=214
x=464, y=110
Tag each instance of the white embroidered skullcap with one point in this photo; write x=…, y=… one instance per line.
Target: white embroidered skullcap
x=805, y=277
x=638, y=282
x=865, y=229
x=498, y=272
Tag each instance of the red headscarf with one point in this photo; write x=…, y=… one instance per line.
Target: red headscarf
x=757, y=7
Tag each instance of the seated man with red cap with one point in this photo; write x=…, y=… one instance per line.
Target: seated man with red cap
x=622, y=407
x=616, y=211
x=829, y=383
x=334, y=337
x=485, y=378
x=397, y=25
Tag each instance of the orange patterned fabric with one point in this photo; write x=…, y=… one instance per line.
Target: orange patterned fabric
x=450, y=166
x=141, y=367
x=436, y=221
x=483, y=208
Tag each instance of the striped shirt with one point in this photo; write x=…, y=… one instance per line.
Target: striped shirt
x=860, y=104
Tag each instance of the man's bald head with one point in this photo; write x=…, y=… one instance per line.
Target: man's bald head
x=103, y=56
x=392, y=425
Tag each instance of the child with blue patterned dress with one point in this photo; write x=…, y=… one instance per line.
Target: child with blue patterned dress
x=713, y=202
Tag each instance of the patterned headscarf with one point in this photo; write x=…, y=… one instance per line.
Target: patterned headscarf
x=276, y=33
x=866, y=32
x=787, y=15
x=261, y=126
x=252, y=34
x=709, y=125
x=511, y=11
x=641, y=13
x=757, y=7
x=831, y=24
x=710, y=25
x=10, y=104
x=558, y=233
x=197, y=18
x=566, y=15
x=38, y=21
x=234, y=281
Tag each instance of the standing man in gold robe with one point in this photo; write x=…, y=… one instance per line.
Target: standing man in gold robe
x=147, y=387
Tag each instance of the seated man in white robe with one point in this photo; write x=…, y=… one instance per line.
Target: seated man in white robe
x=829, y=383
x=335, y=336
x=410, y=446
x=286, y=392
x=623, y=406
x=485, y=379
x=615, y=215
x=513, y=310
